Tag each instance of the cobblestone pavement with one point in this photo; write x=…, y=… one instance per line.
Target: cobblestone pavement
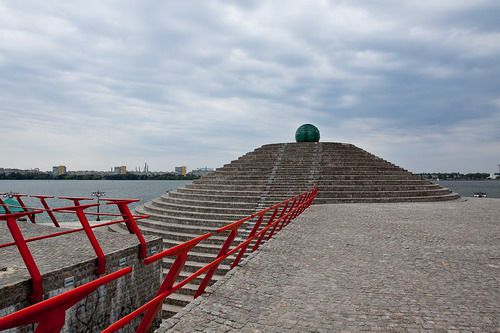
x=408, y=267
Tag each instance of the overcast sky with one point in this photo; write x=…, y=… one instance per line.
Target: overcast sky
x=94, y=84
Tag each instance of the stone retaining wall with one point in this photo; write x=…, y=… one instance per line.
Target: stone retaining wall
x=69, y=256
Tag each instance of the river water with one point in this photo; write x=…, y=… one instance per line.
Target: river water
x=467, y=188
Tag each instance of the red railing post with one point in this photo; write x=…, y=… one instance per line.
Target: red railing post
x=303, y=200
x=311, y=197
x=297, y=210
x=130, y=222
x=244, y=248
x=167, y=284
x=79, y=210
x=23, y=206
x=36, y=277
x=280, y=217
x=47, y=208
x=261, y=236
x=288, y=215
x=181, y=253
x=222, y=252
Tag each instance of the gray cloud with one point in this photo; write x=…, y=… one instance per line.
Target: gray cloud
x=96, y=84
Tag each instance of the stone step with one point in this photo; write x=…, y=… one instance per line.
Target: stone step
x=370, y=182
x=179, y=299
x=451, y=196
x=332, y=187
x=213, y=197
x=243, y=182
x=266, y=167
x=190, y=268
x=294, y=167
x=196, y=281
x=402, y=177
x=371, y=188
x=256, y=182
x=151, y=207
x=193, y=266
x=170, y=310
x=301, y=172
x=159, y=219
x=200, y=247
x=376, y=194
x=204, y=209
x=164, y=227
x=189, y=289
x=322, y=175
x=207, y=257
x=320, y=182
x=227, y=193
x=180, y=236
x=212, y=203
x=225, y=187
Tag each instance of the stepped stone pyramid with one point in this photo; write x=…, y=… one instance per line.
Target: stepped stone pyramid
x=343, y=173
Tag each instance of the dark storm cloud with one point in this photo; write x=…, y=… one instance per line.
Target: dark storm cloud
x=200, y=83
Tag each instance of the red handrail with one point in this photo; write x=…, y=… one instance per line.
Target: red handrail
x=50, y=313
x=79, y=210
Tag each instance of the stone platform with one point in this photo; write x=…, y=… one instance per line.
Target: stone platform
x=343, y=173
x=401, y=267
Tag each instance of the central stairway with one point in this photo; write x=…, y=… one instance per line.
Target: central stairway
x=272, y=173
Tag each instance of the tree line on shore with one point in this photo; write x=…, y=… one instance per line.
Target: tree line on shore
x=457, y=176
x=127, y=176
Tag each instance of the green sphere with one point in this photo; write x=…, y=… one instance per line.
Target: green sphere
x=307, y=133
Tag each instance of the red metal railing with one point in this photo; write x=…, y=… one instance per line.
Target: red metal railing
x=50, y=314
x=79, y=210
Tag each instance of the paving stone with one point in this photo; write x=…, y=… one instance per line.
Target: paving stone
x=404, y=267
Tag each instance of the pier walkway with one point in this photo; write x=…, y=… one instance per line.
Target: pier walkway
x=399, y=267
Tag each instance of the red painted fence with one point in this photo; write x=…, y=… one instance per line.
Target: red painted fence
x=50, y=313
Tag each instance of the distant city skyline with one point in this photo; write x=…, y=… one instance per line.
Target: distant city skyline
x=61, y=169
x=93, y=85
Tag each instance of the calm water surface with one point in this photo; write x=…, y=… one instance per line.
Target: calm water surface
x=467, y=188
x=144, y=190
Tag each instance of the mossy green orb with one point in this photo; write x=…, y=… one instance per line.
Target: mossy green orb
x=307, y=133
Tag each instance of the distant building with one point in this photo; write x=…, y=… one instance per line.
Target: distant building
x=201, y=171
x=181, y=170
x=120, y=170
x=59, y=170
x=8, y=171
